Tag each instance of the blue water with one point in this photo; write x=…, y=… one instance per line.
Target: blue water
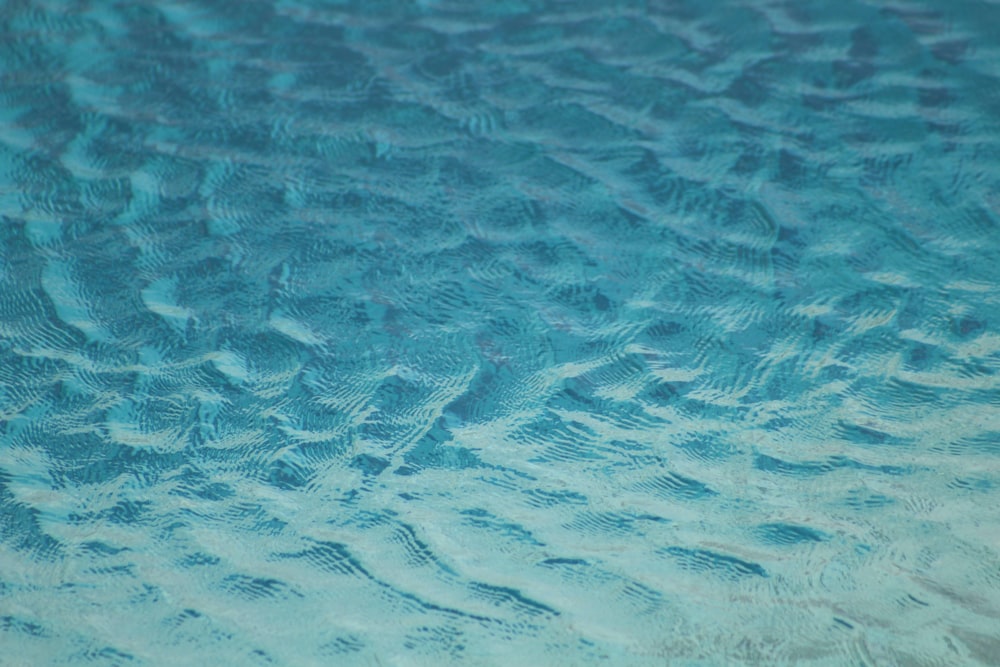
x=506, y=333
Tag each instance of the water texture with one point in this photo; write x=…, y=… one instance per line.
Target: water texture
x=527, y=332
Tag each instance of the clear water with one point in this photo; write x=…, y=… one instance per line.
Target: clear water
x=525, y=332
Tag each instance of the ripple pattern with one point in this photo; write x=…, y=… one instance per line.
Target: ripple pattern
x=528, y=332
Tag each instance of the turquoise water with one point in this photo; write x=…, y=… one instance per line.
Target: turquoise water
x=539, y=332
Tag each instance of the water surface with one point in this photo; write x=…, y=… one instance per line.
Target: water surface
x=539, y=332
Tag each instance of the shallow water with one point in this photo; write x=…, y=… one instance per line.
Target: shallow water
x=387, y=333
